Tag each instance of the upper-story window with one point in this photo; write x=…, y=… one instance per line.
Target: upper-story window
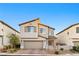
x=67, y=33
x=77, y=29
x=30, y=29
x=51, y=32
x=42, y=30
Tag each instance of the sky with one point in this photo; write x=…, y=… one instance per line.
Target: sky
x=58, y=16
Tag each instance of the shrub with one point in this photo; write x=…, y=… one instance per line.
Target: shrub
x=56, y=52
x=14, y=40
x=76, y=48
x=5, y=47
x=17, y=46
x=4, y=50
x=61, y=49
x=12, y=50
x=9, y=46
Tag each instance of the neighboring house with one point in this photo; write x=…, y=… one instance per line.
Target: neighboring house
x=35, y=35
x=69, y=36
x=6, y=30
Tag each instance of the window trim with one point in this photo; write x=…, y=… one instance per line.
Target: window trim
x=77, y=29
x=43, y=30
x=26, y=28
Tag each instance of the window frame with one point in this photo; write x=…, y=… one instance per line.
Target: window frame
x=51, y=32
x=30, y=29
x=42, y=30
x=77, y=29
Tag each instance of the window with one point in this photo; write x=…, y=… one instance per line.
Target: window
x=42, y=30
x=77, y=29
x=51, y=32
x=30, y=29
x=67, y=33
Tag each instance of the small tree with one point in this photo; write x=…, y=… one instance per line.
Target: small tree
x=14, y=40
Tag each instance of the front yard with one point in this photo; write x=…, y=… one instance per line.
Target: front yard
x=34, y=52
x=14, y=49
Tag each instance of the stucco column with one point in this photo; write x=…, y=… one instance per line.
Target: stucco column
x=54, y=41
x=45, y=44
x=22, y=44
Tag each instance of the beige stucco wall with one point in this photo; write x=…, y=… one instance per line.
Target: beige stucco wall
x=51, y=30
x=29, y=34
x=5, y=32
x=68, y=38
x=35, y=35
x=45, y=33
x=1, y=28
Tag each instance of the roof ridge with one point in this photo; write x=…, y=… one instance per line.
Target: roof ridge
x=67, y=28
x=47, y=26
x=29, y=21
x=8, y=25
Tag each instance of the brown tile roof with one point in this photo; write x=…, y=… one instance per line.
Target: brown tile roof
x=29, y=21
x=47, y=26
x=67, y=28
x=9, y=26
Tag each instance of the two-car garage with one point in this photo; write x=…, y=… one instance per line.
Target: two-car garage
x=33, y=44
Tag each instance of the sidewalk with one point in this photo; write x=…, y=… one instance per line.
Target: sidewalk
x=10, y=54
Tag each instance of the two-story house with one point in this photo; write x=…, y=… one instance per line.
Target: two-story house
x=35, y=35
x=69, y=36
x=6, y=30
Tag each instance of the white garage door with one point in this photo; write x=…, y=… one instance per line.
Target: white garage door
x=0, y=41
x=33, y=45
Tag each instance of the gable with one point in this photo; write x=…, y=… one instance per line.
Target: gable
x=68, y=28
x=30, y=22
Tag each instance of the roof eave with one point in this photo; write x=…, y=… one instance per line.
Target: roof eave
x=29, y=21
x=67, y=28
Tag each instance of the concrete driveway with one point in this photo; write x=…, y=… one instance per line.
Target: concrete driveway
x=31, y=51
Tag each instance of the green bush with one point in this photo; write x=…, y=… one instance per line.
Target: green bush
x=7, y=46
x=76, y=48
x=61, y=49
x=17, y=46
x=56, y=52
x=14, y=40
x=12, y=50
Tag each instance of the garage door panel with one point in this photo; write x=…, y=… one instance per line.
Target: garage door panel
x=33, y=45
